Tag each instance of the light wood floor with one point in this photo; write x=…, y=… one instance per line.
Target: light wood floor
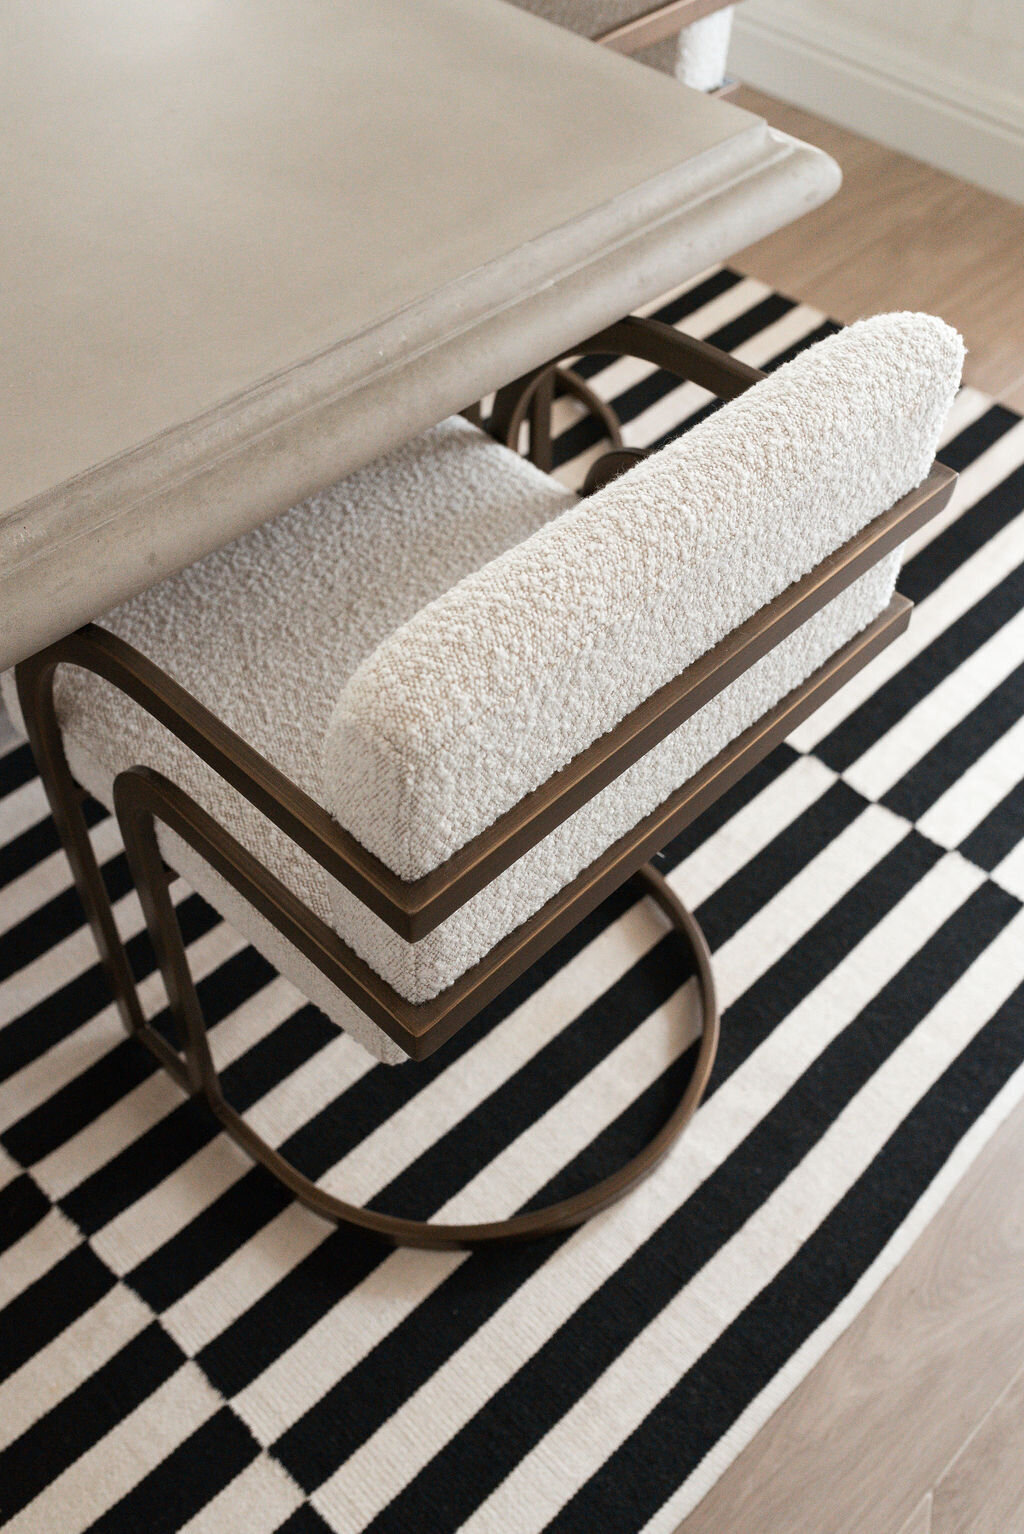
x=900, y=235
x=913, y=1422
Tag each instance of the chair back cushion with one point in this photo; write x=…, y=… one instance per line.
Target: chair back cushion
x=497, y=684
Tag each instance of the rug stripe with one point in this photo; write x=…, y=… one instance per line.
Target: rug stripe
x=517, y=1413
x=633, y=1482
x=86, y=1414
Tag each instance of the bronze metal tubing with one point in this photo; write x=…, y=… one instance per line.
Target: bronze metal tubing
x=610, y=465
x=141, y=800
x=651, y=341
x=534, y=403
x=420, y=1028
x=414, y=908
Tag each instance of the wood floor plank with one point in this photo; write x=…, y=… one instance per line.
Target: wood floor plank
x=866, y=1436
x=920, y=1520
x=900, y=234
x=983, y=1489
x=1014, y=395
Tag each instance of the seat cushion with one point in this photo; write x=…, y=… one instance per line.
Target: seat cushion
x=266, y=630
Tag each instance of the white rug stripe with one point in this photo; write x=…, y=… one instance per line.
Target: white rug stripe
x=969, y=583
x=38, y=1250
x=21, y=809
x=49, y=878
x=165, y=1210
x=9, y=1170
x=939, y=711
x=112, y=1132
x=67, y=1362
x=682, y=402
x=1010, y=872
x=988, y=470
x=53, y=1070
x=673, y=293
x=552, y=1141
x=316, y=1356
x=480, y=1072
x=655, y=1360
x=969, y=406
x=974, y=795
x=31, y=984
x=421, y=1427
x=256, y=1502
x=800, y=1363
x=121, y=1459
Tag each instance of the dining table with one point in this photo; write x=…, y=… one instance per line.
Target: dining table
x=246, y=246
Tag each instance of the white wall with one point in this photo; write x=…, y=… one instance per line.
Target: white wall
x=939, y=79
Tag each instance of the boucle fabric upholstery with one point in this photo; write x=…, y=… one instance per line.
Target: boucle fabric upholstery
x=505, y=678
x=478, y=613
x=265, y=631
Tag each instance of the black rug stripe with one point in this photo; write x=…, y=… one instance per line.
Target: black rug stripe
x=185, y=1481
x=648, y=390
x=22, y=1206
x=21, y=853
x=827, y=328
x=672, y=313
x=82, y=1417
x=57, y=1015
x=975, y=439
x=284, y=1315
x=940, y=558
x=645, y=1470
x=56, y=919
x=1002, y=828
x=518, y=1415
x=813, y=957
x=16, y=769
x=42, y=1310
x=947, y=761
x=403, y=1361
x=166, y=1145
x=120, y=1069
x=873, y=718
x=241, y=1211
x=304, y=1520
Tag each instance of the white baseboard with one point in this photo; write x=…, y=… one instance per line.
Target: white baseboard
x=884, y=90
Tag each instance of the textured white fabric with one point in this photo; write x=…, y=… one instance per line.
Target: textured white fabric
x=421, y=970
x=703, y=50
x=492, y=630
x=265, y=631
x=490, y=689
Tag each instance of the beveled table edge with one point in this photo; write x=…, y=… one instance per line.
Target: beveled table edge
x=69, y=556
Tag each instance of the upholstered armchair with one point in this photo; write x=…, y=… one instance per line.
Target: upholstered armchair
x=685, y=38
x=408, y=733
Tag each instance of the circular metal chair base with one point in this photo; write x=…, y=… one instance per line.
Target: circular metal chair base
x=538, y=1222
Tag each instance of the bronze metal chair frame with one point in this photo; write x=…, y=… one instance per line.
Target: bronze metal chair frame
x=144, y=798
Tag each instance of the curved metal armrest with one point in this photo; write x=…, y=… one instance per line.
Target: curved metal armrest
x=650, y=340
x=267, y=788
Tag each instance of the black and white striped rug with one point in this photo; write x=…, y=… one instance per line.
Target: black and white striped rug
x=181, y=1347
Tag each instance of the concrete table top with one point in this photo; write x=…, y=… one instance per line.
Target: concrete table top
x=246, y=245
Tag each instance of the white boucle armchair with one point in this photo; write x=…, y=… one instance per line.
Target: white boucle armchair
x=410, y=732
